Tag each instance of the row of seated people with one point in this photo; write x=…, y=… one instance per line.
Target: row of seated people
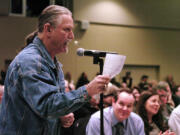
x=167, y=101
x=154, y=106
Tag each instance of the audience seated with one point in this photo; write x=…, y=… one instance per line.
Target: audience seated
x=118, y=117
x=154, y=105
x=149, y=109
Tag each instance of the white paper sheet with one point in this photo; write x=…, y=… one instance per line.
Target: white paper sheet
x=113, y=64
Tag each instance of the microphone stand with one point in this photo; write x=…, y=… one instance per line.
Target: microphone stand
x=97, y=60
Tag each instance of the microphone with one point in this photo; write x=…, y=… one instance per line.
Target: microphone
x=83, y=52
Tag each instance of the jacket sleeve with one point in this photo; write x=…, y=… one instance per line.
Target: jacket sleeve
x=42, y=92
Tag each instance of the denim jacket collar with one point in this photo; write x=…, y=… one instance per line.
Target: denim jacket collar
x=45, y=54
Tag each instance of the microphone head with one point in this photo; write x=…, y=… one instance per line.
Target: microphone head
x=80, y=52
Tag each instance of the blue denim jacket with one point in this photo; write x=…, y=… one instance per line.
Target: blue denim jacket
x=34, y=96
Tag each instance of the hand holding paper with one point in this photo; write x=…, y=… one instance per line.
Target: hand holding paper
x=113, y=64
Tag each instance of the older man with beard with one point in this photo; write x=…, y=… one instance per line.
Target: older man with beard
x=35, y=102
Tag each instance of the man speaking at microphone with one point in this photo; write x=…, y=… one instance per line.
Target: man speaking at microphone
x=34, y=101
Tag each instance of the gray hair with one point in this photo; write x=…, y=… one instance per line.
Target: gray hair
x=50, y=15
x=162, y=85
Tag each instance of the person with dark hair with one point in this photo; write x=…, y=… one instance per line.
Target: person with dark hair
x=176, y=95
x=177, y=91
x=82, y=80
x=136, y=93
x=34, y=100
x=128, y=79
x=148, y=108
x=144, y=85
x=119, y=118
x=113, y=81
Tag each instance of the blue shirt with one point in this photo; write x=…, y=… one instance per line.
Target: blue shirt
x=34, y=96
x=132, y=126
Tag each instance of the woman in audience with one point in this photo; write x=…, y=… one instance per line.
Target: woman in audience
x=149, y=109
x=136, y=94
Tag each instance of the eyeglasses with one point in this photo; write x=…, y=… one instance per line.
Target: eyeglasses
x=163, y=96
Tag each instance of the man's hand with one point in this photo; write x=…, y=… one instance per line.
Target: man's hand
x=67, y=120
x=97, y=85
